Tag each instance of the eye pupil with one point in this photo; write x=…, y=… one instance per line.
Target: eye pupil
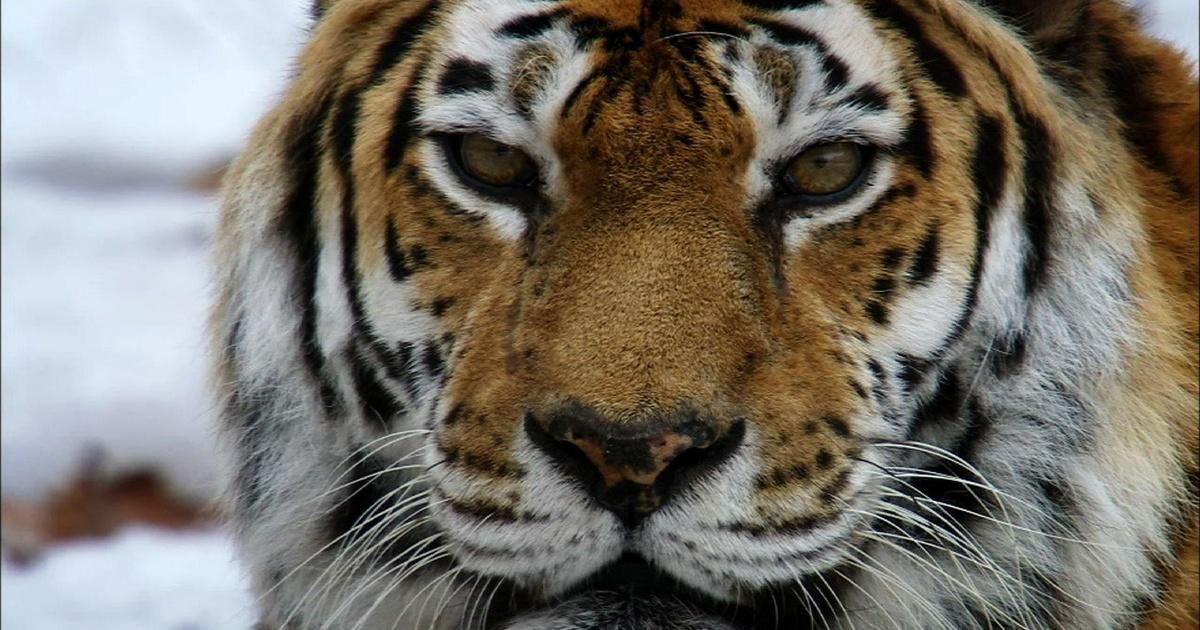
x=825, y=169
x=494, y=163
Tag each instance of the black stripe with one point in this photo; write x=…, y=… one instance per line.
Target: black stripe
x=958, y=501
x=1038, y=174
x=370, y=506
x=989, y=169
x=366, y=495
x=402, y=367
x=878, y=382
x=607, y=94
x=423, y=188
x=917, y=144
x=1129, y=80
x=404, y=126
x=576, y=92
x=925, y=263
x=378, y=405
x=531, y=25
x=344, y=132
x=836, y=70
x=398, y=265
x=892, y=257
x=401, y=41
x=883, y=287
x=441, y=305
x=913, y=370
x=298, y=224
x=693, y=96
x=877, y=311
x=869, y=97
x=941, y=407
x=463, y=75
x=1039, y=185
x=1008, y=353
x=881, y=296
x=456, y=412
x=431, y=358
x=396, y=365
x=933, y=59
x=689, y=50
x=588, y=30
x=837, y=425
x=724, y=89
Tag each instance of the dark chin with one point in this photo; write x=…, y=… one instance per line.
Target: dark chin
x=609, y=610
x=630, y=594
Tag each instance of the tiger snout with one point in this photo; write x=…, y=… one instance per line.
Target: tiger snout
x=633, y=468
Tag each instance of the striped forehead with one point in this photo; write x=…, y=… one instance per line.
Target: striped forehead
x=507, y=67
x=499, y=67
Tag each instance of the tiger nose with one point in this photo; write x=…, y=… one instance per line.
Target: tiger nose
x=631, y=472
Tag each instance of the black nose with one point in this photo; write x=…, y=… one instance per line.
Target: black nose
x=632, y=470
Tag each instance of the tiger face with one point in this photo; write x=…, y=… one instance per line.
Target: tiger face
x=707, y=314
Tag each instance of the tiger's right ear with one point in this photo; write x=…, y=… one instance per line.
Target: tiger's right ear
x=1045, y=22
x=318, y=8
x=1062, y=31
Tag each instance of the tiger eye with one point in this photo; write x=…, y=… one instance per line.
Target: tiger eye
x=494, y=163
x=825, y=169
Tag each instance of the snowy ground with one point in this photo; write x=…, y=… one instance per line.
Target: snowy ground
x=110, y=107
x=141, y=579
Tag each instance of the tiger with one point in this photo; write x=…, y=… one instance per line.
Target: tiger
x=716, y=314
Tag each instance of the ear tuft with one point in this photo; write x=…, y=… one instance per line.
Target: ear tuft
x=1039, y=19
x=1063, y=33
x=318, y=8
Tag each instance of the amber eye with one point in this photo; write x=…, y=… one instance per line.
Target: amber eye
x=826, y=169
x=494, y=164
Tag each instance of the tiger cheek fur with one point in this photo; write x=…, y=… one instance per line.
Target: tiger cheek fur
x=656, y=384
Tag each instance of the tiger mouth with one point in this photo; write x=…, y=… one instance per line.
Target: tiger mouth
x=632, y=593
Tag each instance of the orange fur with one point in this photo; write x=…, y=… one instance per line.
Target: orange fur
x=629, y=301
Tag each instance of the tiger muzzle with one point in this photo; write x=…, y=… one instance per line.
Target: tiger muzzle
x=632, y=469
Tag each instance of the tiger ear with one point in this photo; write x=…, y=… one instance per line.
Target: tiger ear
x=1063, y=32
x=1041, y=20
x=318, y=8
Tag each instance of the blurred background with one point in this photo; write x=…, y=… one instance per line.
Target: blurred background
x=117, y=118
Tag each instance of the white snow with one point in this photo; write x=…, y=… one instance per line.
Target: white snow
x=103, y=296
x=153, y=85
x=107, y=107
x=140, y=579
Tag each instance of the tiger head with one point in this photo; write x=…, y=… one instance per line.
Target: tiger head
x=714, y=314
